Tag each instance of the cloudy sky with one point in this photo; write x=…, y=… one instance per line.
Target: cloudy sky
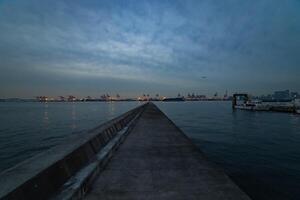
x=135, y=47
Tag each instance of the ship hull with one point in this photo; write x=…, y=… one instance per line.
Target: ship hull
x=173, y=99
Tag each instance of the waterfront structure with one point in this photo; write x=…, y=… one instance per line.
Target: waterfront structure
x=239, y=95
x=71, y=98
x=295, y=95
x=282, y=95
x=258, y=105
x=62, y=98
x=195, y=97
x=42, y=98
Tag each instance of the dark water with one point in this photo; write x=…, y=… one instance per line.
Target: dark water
x=259, y=150
x=29, y=128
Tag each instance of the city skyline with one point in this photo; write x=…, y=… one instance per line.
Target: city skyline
x=132, y=47
x=280, y=95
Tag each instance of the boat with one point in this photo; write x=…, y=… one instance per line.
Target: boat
x=173, y=99
x=255, y=105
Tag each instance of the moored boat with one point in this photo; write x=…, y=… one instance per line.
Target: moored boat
x=255, y=105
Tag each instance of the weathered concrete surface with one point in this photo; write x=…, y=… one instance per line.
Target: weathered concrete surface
x=157, y=161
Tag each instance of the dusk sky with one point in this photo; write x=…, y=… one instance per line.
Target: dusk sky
x=134, y=47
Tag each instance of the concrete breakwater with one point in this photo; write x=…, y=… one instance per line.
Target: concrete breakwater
x=55, y=171
x=155, y=161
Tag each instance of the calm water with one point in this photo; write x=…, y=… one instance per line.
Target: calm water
x=29, y=128
x=259, y=150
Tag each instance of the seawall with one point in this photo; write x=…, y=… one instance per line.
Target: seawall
x=44, y=176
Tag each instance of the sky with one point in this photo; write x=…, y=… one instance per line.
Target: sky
x=134, y=47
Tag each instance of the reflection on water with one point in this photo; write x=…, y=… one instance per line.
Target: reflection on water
x=46, y=117
x=29, y=128
x=112, y=108
x=73, y=116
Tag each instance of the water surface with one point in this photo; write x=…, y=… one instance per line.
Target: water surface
x=30, y=128
x=259, y=150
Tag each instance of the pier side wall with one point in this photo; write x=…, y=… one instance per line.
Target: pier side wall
x=43, y=175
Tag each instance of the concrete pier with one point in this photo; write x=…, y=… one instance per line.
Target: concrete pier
x=138, y=155
x=157, y=161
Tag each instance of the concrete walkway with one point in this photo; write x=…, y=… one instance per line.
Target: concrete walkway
x=157, y=161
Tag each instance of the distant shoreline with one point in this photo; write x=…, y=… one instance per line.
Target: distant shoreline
x=98, y=100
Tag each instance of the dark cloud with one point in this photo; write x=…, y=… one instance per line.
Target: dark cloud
x=133, y=46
